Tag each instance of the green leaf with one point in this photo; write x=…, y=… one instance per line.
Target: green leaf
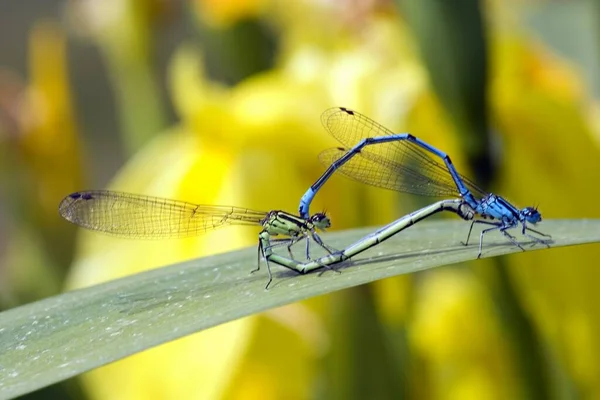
x=62, y=336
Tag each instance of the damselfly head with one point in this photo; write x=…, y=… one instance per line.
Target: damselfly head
x=531, y=215
x=320, y=221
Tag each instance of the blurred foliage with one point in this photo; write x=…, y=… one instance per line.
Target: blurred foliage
x=124, y=33
x=41, y=160
x=247, y=84
x=454, y=49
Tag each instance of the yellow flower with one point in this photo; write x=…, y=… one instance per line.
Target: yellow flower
x=49, y=140
x=455, y=332
x=255, y=146
x=226, y=12
x=552, y=158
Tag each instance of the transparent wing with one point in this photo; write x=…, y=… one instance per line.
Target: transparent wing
x=373, y=170
x=146, y=217
x=414, y=169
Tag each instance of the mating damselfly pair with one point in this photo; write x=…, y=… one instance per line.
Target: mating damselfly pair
x=371, y=154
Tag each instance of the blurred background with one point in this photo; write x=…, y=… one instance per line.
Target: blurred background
x=212, y=101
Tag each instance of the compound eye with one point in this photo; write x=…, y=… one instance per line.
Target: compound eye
x=321, y=220
x=532, y=215
x=319, y=217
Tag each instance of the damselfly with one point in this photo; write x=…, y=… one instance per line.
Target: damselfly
x=146, y=217
x=405, y=163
